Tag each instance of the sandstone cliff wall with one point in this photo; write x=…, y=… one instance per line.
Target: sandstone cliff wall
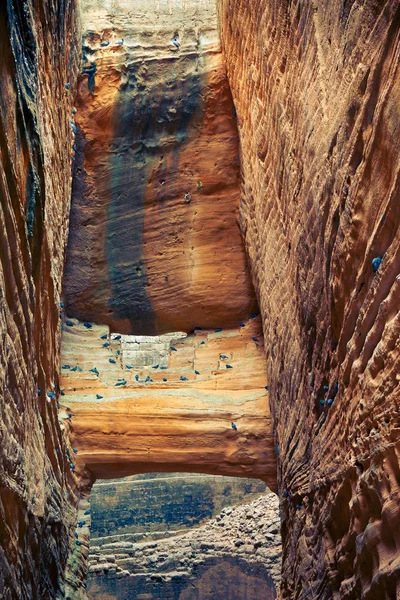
x=38, y=62
x=316, y=87
x=155, y=244
x=124, y=419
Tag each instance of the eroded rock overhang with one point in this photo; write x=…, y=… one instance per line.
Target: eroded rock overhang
x=202, y=408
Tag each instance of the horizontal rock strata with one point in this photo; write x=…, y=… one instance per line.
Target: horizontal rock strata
x=316, y=87
x=147, y=506
x=124, y=421
x=237, y=555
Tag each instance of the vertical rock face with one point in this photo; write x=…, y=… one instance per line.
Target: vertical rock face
x=155, y=244
x=37, y=64
x=316, y=87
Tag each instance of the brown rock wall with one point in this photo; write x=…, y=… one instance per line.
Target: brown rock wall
x=36, y=511
x=155, y=244
x=316, y=88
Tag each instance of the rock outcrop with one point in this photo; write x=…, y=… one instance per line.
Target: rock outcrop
x=316, y=87
x=38, y=69
x=237, y=555
x=155, y=505
x=124, y=420
x=155, y=244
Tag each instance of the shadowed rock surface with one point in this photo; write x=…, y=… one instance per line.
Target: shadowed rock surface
x=237, y=555
x=150, y=506
x=316, y=88
x=154, y=243
x=37, y=501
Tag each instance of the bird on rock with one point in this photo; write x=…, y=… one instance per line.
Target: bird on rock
x=229, y=366
x=106, y=345
x=173, y=349
x=376, y=263
x=218, y=330
x=123, y=382
x=98, y=396
x=51, y=395
x=223, y=356
x=69, y=323
x=165, y=379
x=66, y=367
x=254, y=339
x=104, y=337
x=254, y=315
x=197, y=372
x=137, y=377
x=155, y=366
x=94, y=370
x=234, y=426
x=112, y=361
x=183, y=378
x=117, y=337
x=148, y=378
x=241, y=324
x=120, y=42
x=128, y=367
x=87, y=325
x=104, y=44
x=176, y=42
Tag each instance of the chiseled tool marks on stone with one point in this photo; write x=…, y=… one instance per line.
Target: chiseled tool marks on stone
x=152, y=424
x=316, y=89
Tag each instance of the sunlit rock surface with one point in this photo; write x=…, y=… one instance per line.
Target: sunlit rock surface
x=316, y=88
x=236, y=556
x=37, y=500
x=125, y=420
x=155, y=244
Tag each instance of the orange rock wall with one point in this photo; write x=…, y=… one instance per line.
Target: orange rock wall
x=125, y=420
x=36, y=489
x=155, y=244
x=316, y=87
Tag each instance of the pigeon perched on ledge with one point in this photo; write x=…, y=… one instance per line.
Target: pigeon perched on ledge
x=234, y=426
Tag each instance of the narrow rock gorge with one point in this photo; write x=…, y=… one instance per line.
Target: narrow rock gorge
x=225, y=172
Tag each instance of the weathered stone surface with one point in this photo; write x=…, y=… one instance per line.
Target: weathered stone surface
x=316, y=87
x=37, y=504
x=157, y=504
x=128, y=421
x=154, y=243
x=230, y=557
